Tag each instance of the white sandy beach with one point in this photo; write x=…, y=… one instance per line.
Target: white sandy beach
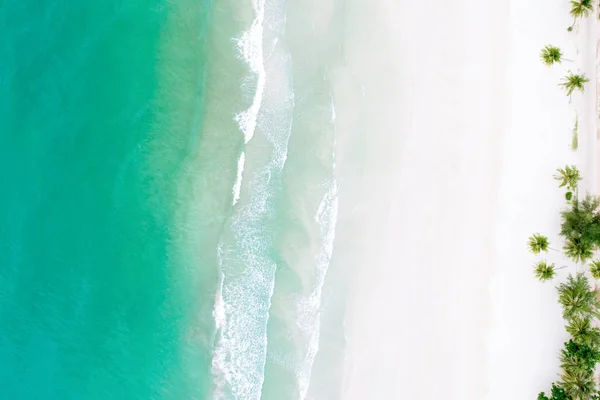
x=469, y=127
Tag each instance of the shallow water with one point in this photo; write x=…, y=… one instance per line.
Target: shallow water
x=170, y=199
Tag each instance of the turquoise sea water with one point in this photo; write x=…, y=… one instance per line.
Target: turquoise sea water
x=169, y=198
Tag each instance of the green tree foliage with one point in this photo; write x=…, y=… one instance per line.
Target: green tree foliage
x=582, y=332
x=580, y=9
x=595, y=269
x=577, y=298
x=569, y=196
x=579, y=356
x=582, y=220
x=580, y=228
x=551, y=55
x=581, y=353
x=557, y=393
x=578, y=383
x=538, y=243
x=544, y=271
x=573, y=82
x=568, y=176
x=578, y=249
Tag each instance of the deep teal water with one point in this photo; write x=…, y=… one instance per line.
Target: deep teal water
x=127, y=269
x=101, y=105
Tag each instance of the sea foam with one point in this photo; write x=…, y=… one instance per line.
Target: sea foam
x=245, y=250
x=237, y=187
x=251, y=49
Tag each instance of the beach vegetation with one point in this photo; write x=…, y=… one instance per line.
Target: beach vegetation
x=581, y=223
x=569, y=177
x=580, y=9
x=538, y=243
x=595, y=269
x=551, y=55
x=544, y=271
x=557, y=393
x=577, y=298
x=573, y=82
x=578, y=249
x=578, y=383
x=569, y=196
x=582, y=331
x=581, y=354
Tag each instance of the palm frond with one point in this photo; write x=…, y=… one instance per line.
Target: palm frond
x=577, y=298
x=595, y=269
x=538, y=243
x=544, y=271
x=578, y=249
x=551, y=55
x=568, y=176
x=574, y=82
x=578, y=383
x=581, y=8
x=582, y=331
x=582, y=220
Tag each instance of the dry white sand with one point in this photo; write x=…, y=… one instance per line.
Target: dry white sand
x=466, y=129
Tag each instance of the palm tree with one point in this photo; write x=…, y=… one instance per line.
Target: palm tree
x=595, y=269
x=582, y=220
x=557, y=393
x=551, y=54
x=573, y=82
x=582, y=331
x=580, y=9
x=578, y=249
x=577, y=298
x=578, y=383
x=538, y=243
x=569, y=176
x=544, y=271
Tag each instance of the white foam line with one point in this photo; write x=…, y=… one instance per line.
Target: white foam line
x=219, y=310
x=326, y=217
x=237, y=187
x=240, y=353
x=251, y=49
x=332, y=109
x=219, y=315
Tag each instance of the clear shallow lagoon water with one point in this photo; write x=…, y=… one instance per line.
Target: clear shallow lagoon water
x=169, y=198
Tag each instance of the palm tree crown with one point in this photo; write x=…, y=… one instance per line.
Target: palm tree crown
x=538, y=243
x=583, y=332
x=582, y=220
x=550, y=55
x=581, y=8
x=544, y=271
x=595, y=269
x=578, y=249
x=569, y=176
x=579, y=384
x=574, y=82
x=577, y=298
